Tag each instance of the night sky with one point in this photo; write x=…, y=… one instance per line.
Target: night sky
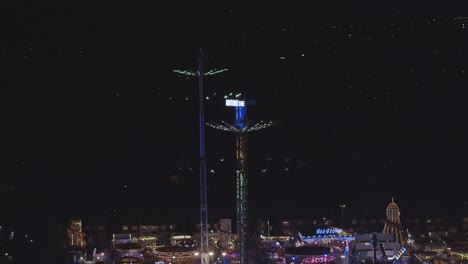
x=370, y=104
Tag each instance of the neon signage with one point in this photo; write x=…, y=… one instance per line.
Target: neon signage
x=321, y=259
x=232, y=102
x=328, y=231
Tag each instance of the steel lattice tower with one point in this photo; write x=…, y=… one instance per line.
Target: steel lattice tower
x=204, y=254
x=205, y=258
x=241, y=127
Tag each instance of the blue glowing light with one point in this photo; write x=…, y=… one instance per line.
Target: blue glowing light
x=329, y=231
x=241, y=112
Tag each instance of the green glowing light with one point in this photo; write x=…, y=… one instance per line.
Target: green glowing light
x=189, y=73
x=215, y=71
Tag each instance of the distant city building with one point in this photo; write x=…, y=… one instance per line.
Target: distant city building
x=96, y=236
x=291, y=227
x=363, y=249
x=149, y=230
x=129, y=229
x=211, y=226
x=465, y=224
x=225, y=232
x=137, y=231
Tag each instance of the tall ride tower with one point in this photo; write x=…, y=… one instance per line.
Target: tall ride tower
x=75, y=235
x=392, y=223
x=241, y=127
x=205, y=258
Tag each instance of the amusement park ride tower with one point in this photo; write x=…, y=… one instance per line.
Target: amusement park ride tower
x=393, y=223
x=241, y=127
x=203, y=198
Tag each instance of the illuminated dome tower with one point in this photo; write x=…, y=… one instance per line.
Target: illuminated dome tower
x=75, y=234
x=393, y=223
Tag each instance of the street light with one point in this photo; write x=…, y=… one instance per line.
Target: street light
x=342, y=206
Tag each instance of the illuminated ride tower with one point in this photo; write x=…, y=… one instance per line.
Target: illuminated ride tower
x=393, y=223
x=241, y=127
x=75, y=235
x=205, y=258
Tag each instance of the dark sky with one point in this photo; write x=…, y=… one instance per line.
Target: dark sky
x=370, y=104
